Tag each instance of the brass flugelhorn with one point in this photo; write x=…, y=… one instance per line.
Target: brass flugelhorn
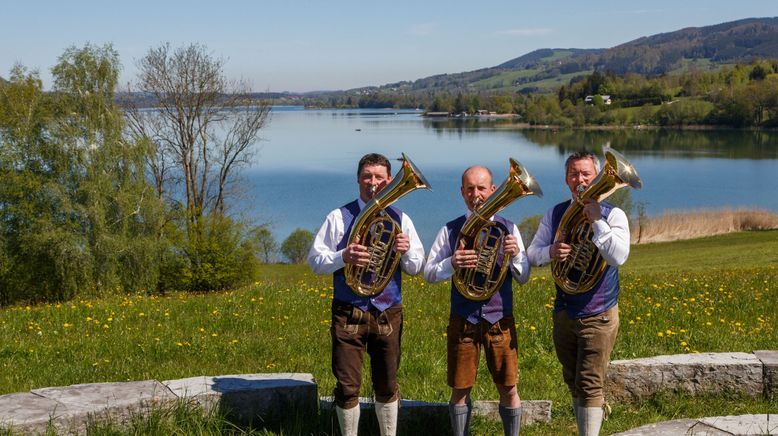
x=377, y=231
x=486, y=237
x=584, y=266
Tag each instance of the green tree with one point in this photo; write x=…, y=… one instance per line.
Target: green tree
x=295, y=247
x=77, y=214
x=219, y=256
x=113, y=195
x=203, y=131
x=201, y=136
x=267, y=247
x=459, y=104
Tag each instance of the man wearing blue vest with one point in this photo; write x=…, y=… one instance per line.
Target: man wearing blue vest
x=373, y=324
x=586, y=324
x=485, y=324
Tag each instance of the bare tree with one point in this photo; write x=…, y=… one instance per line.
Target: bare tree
x=202, y=127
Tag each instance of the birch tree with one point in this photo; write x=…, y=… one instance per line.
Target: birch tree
x=202, y=127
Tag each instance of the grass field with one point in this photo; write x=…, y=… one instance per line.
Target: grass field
x=710, y=294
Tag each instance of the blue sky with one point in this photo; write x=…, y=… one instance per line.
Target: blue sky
x=288, y=45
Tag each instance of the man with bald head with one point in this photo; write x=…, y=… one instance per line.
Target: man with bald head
x=485, y=324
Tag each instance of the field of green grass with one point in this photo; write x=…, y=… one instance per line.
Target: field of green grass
x=706, y=295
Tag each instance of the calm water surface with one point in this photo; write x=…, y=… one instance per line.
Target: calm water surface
x=306, y=165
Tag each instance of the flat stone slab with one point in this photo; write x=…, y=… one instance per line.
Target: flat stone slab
x=70, y=408
x=98, y=397
x=272, y=398
x=633, y=380
x=666, y=428
x=248, y=398
x=29, y=413
x=533, y=411
x=746, y=425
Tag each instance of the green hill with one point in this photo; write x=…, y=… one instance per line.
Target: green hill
x=543, y=70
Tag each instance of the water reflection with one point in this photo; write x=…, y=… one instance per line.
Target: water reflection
x=306, y=164
x=729, y=144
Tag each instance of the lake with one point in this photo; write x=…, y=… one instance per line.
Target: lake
x=306, y=165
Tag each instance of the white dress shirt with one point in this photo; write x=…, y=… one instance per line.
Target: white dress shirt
x=611, y=237
x=439, y=266
x=325, y=258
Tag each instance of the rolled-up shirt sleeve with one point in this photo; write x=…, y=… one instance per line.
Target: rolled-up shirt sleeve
x=324, y=257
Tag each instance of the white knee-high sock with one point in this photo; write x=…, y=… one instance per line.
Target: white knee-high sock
x=387, y=417
x=348, y=420
x=591, y=422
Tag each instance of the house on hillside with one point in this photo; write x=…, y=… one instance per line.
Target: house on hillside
x=590, y=99
x=485, y=113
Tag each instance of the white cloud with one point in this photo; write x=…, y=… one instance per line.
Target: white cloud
x=524, y=32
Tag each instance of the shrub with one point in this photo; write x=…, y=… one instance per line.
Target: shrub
x=296, y=246
x=217, y=255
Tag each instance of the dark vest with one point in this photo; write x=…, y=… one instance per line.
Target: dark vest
x=391, y=295
x=604, y=294
x=501, y=303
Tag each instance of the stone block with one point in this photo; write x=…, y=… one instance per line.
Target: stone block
x=76, y=405
x=666, y=428
x=744, y=425
x=271, y=400
x=769, y=359
x=29, y=413
x=633, y=380
x=533, y=411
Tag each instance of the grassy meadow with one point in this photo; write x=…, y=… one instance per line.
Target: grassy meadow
x=704, y=295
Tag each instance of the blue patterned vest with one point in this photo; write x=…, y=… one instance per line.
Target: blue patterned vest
x=391, y=295
x=493, y=309
x=604, y=294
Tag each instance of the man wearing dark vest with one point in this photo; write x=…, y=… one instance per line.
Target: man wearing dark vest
x=359, y=324
x=586, y=324
x=485, y=324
